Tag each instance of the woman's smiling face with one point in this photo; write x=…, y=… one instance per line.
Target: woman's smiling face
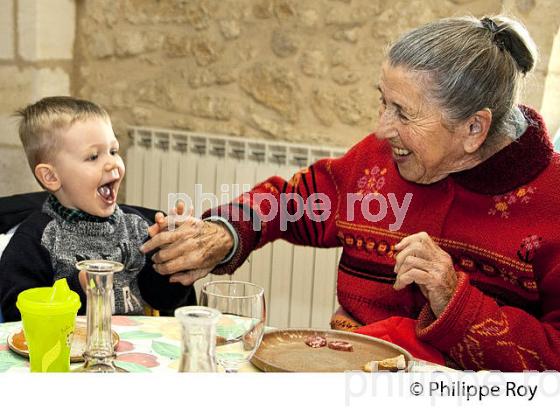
x=424, y=150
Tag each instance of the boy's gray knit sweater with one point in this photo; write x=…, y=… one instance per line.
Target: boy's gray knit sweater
x=48, y=244
x=118, y=240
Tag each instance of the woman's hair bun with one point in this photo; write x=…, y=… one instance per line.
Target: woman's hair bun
x=514, y=38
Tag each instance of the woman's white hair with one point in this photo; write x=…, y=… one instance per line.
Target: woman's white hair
x=473, y=64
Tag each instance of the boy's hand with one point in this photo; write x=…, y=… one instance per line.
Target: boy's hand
x=162, y=222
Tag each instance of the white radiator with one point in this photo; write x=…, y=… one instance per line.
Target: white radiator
x=299, y=282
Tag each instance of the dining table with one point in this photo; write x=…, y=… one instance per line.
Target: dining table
x=147, y=344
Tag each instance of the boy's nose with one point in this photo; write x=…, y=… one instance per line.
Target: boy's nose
x=112, y=167
x=115, y=172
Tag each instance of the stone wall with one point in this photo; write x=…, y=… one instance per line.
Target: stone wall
x=36, y=54
x=300, y=70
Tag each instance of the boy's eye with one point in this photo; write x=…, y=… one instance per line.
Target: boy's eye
x=114, y=151
x=92, y=157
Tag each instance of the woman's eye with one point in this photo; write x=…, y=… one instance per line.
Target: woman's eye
x=402, y=117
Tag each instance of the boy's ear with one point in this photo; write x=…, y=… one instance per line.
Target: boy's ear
x=477, y=130
x=46, y=174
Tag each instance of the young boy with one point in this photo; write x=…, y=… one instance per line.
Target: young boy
x=74, y=155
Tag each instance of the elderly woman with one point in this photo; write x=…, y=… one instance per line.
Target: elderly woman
x=475, y=263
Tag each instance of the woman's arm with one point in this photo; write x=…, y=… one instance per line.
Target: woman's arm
x=479, y=334
x=470, y=326
x=301, y=211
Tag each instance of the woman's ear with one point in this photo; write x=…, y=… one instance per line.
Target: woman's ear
x=477, y=130
x=47, y=176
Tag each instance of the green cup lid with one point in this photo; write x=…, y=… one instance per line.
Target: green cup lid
x=57, y=299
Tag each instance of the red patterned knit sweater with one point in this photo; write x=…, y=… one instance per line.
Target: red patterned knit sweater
x=498, y=221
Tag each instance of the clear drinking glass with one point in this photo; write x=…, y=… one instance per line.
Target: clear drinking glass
x=241, y=326
x=198, y=323
x=99, y=354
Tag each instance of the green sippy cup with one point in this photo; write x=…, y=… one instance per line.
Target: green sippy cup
x=48, y=316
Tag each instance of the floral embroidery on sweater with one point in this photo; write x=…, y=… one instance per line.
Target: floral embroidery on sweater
x=504, y=203
x=528, y=248
x=498, y=330
x=296, y=178
x=372, y=181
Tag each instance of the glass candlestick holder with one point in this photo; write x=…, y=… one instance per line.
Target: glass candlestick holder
x=99, y=354
x=198, y=352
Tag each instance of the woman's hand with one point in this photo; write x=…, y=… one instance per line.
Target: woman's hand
x=422, y=261
x=189, y=252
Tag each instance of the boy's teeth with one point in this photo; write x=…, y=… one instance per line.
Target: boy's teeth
x=400, y=151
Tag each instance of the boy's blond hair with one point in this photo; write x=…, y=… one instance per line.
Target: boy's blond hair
x=41, y=123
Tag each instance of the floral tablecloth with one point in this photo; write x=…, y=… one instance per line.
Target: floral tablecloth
x=147, y=344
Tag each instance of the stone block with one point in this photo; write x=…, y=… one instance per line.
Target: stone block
x=313, y=63
x=100, y=44
x=48, y=82
x=213, y=107
x=230, y=29
x=8, y=130
x=274, y=87
x=22, y=87
x=46, y=29
x=346, y=17
x=7, y=29
x=16, y=86
x=283, y=43
x=15, y=175
x=277, y=129
x=205, y=51
x=354, y=108
x=343, y=75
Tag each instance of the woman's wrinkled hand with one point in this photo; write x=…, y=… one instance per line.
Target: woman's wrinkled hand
x=420, y=260
x=190, y=251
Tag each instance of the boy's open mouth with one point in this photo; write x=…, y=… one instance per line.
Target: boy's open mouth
x=107, y=192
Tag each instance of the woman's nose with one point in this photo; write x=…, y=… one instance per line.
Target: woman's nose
x=385, y=126
x=386, y=116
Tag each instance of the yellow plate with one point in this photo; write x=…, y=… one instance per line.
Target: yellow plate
x=17, y=343
x=284, y=350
